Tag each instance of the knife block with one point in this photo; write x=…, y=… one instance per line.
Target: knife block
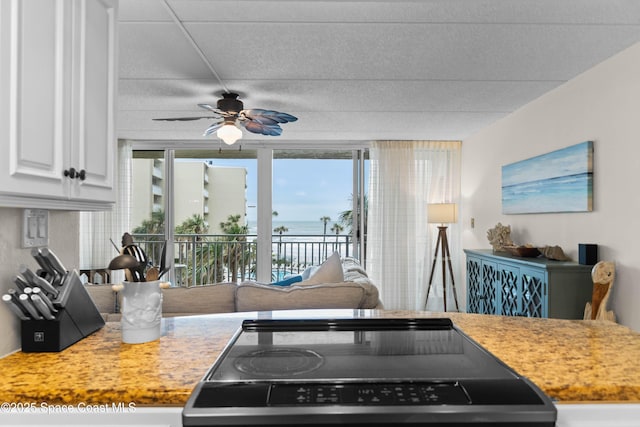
x=79, y=318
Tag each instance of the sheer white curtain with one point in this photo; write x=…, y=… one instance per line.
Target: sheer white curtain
x=404, y=177
x=96, y=228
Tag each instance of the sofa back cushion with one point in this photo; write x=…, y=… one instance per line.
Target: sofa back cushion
x=215, y=298
x=251, y=296
x=103, y=296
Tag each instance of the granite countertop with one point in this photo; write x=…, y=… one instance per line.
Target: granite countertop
x=570, y=360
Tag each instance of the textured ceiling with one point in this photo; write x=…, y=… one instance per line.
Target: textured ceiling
x=357, y=70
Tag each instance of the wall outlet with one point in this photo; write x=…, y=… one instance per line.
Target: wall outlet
x=473, y=222
x=35, y=228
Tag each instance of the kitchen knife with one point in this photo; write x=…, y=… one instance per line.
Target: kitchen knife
x=20, y=283
x=54, y=261
x=45, y=298
x=13, y=307
x=57, y=277
x=15, y=294
x=35, y=280
x=43, y=263
x=42, y=307
x=26, y=303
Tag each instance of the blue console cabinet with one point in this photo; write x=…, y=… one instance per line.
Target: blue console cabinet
x=499, y=283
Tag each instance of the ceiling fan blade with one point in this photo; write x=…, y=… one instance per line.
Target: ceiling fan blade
x=214, y=127
x=184, y=119
x=256, y=127
x=263, y=120
x=210, y=108
x=276, y=116
x=218, y=111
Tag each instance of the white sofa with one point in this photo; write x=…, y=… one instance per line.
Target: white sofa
x=354, y=290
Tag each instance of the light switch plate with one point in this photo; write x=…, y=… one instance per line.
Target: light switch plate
x=35, y=228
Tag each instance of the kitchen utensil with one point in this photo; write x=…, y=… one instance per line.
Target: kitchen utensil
x=137, y=252
x=125, y=262
x=13, y=307
x=26, y=303
x=35, y=280
x=163, y=260
x=152, y=274
x=42, y=307
x=20, y=282
x=55, y=262
x=114, y=245
x=43, y=263
x=45, y=298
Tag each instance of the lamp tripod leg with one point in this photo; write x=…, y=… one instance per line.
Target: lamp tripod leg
x=445, y=250
x=433, y=267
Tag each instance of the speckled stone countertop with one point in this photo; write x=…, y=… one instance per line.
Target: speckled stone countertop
x=570, y=360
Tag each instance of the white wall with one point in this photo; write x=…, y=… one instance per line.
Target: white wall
x=63, y=240
x=602, y=105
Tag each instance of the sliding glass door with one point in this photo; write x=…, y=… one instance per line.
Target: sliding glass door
x=234, y=215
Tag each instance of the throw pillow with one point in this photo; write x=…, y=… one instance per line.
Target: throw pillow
x=329, y=271
x=288, y=281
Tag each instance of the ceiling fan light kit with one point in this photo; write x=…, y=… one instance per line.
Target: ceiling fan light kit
x=229, y=113
x=229, y=133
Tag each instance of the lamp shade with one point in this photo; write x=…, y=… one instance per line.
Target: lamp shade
x=442, y=213
x=229, y=133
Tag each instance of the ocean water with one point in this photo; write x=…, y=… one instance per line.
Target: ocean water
x=306, y=228
x=304, y=243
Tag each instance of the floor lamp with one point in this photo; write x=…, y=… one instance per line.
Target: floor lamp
x=442, y=213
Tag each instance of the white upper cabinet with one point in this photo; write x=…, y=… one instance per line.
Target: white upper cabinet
x=57, y=103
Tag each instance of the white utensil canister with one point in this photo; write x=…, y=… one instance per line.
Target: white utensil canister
x=141, y=311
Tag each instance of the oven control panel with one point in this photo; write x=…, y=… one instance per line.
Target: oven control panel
x=368, y=394
x=461, y=393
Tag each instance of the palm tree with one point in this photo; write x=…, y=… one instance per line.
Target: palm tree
x=336, y=228
x=325, y=220
x=204, y=260
x=237, y=253
x=346, y=217
x=280, y=230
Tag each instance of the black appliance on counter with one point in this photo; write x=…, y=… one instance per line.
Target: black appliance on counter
x=320, y=372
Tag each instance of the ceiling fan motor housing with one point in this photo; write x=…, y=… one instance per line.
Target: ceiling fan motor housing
x=230, y=103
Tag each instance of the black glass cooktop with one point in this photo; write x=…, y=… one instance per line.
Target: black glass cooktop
x=412, y=349
x=355, y=371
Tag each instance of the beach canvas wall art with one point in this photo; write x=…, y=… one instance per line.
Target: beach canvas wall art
x=559, y=181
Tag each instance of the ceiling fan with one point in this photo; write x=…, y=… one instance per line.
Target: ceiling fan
x=229, y=113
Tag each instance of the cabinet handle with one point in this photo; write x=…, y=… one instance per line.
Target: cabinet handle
x=73, y=174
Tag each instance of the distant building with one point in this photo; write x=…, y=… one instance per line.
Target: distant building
x=213, y=192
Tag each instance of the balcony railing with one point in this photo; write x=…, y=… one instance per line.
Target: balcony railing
x=201, y=259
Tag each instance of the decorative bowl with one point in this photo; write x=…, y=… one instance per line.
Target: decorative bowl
x=523, y=251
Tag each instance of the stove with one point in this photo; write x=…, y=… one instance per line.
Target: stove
x=322, y=372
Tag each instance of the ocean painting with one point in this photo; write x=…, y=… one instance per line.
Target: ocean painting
x=559, y=181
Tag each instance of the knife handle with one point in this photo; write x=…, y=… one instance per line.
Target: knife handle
x=13, y=307
x=35, y=280
x=45, y=298
x=26, y=303
x=42, y=262
x=54, y=261
x=20, y=283
x=42, y=307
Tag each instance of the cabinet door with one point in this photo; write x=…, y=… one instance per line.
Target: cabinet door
x=534, y=293
x=93, y=104
x=474, y=285
x=509, y=290
x=35, y=79
x=489, y=287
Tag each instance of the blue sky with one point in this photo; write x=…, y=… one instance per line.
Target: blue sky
x=303, y=189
